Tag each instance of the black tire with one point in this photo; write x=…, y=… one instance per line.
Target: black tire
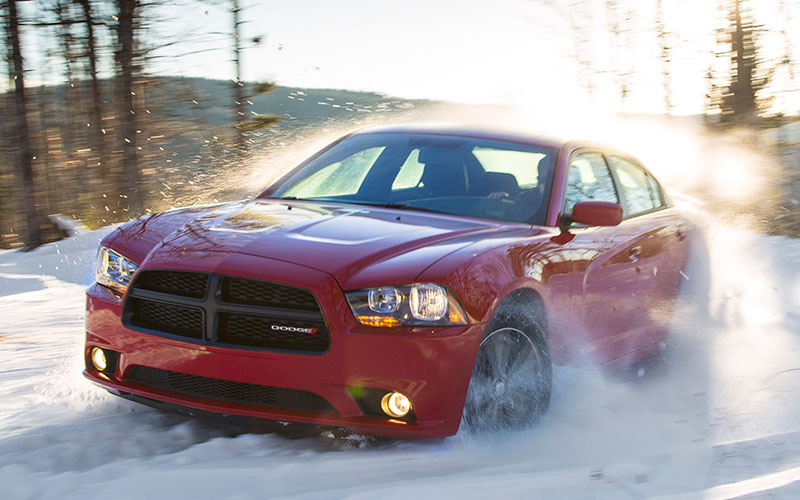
x=512, y=379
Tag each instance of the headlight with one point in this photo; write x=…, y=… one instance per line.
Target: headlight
x=423, y=304
x=114, y=270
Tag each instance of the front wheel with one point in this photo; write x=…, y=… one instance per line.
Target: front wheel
x=511, y=381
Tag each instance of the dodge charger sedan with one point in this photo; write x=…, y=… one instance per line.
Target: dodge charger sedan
x=402, y=282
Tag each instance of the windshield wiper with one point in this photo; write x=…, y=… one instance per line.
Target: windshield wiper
x=399, y=206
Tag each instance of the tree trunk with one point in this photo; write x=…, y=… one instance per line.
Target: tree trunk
x=238, y=85
x=744, y=96
x=131, y=185
x=68, y=125
x=95, y=99
x=49, y=188
x=665, y=56
x=33, y=236
x=619, y=23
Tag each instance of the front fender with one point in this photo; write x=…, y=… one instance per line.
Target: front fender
x=483, y=274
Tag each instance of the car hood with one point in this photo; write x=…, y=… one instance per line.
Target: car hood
x=359, y=246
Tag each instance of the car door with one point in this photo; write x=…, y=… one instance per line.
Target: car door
x=610, y=265
x=662, y=248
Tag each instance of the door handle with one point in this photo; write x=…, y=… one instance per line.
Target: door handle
x=635, y=253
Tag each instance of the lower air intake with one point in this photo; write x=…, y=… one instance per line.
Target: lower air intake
x=227, y=390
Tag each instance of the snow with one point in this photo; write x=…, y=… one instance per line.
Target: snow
x=717, y=416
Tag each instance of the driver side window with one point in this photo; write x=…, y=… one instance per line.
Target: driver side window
x=588, y=179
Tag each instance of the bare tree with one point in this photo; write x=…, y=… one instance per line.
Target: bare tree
x=125, y=57
x=63, y=25
x=243, y=122
x=238, y=85
x=49, y=187
x=739, y=102
x=620, y=21
x=33, y=236
x=666, y=55
x=95, y=97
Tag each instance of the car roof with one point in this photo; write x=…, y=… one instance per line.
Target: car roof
x=508, y=134
x=479, y=132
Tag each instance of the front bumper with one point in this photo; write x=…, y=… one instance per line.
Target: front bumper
x=432, y=366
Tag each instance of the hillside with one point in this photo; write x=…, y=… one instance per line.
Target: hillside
x=185, y=144
x=210, y=102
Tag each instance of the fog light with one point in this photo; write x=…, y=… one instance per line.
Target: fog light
x=395, y=404
x=99, y=359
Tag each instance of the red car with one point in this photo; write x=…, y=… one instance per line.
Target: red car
x=402, y=282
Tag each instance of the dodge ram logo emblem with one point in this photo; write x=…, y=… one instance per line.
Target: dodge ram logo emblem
x=283, y=328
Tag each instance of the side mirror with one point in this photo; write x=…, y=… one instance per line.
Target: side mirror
x=596, y=213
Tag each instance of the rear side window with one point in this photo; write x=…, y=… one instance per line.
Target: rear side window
x=589, y=179
x=640, y=190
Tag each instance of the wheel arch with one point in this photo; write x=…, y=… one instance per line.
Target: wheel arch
x=523, y=302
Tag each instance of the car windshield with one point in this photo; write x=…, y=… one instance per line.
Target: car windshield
x=488, y=179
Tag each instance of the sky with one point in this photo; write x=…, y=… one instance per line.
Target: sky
x=519, y=52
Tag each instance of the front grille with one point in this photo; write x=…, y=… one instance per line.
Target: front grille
x=263, y=293
x=167, y=318
x=226, y=311
x=227, y=390
x=174, y=282
x=259, y=331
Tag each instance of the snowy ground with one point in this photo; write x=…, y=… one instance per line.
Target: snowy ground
x=719, y=418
